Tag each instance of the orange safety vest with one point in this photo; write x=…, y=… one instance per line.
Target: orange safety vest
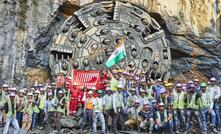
x=89, y=104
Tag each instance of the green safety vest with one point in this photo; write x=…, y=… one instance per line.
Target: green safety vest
x=98, y=106
x=36, y=109
x=9, y=114
x=191, y=103
x=114, y=84
x=59, y=109
x=108, y=102
x=179, y=100
x=149, y=93
x=118, y=100
x=164, y=114
x=51, y=108
x=42, y=102
x=67, y=96
x=205, y=100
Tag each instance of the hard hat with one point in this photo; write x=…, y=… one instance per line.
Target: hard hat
x=124, y=73
x=133, y=89
x=143, y=80
x=143, y=91
x=107, y=89
x=37, y=92
x=53, y=83
x=196, y=80
x=145, y=103
x=178, y=85
x=60, y=91
x=75, y=84
x=190, y=82
x=183, y=87
x=120, y=71
x=30, y=94
x=21, y=91
x=42, y=89
x=137, y=101
x=5, y=86
x=40, y=85
x=154, y=101
x=12, y=94
x=167, y=85
x=13, y=89
x=100, y=91
x=120, y=85
x=49, y=86
x=90, y=92
x=161, y=104
x=50, y=94
x=213, y=79
x=203, y=84
x=159, y=80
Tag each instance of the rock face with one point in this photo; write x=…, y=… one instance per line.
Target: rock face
x=191, y=26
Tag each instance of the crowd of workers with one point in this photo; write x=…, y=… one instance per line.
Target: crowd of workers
x=128, y=102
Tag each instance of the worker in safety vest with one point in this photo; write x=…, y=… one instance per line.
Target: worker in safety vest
x=36, y=102
x=163, y=119
x=179, y=98
x=27, y=112
x=132, y=112
x=214, y=89
x=67, y=98
x=42, y=103
x=20, y=103
x=50, y=108
x=88, y=111
x=10, y=110
x=205, y=102
x=114, y=81
x=74, y=99
x=98, y=112
x=108, y=106
x=60, y=110
x=118, y=106
x=192, y=107
x=146, y=113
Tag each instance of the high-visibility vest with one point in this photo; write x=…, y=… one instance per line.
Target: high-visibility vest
x=164, y=115
x=42, y=102
x=10, y=114
x=59, y=109
x=179, y=100
x=205, y=100
x=98, y=107
x=89, y=103
x=191, y=102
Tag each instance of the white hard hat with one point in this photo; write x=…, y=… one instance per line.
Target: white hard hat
x=137, y=101
x=50, y=94
x=178, y=85
x=190, y=82
x=30, y=94
x=196, y=80
x=5, y=86
x=120, y=85
x=21, y=91
x=108, y=89
x=13, y=89
x=90, y=92
x=37, y=92
x=42, y=89
x=213, y=79
x=60, y=91
x=133, y=89
x=161, y=104
x=159, y=80
x=12, y=94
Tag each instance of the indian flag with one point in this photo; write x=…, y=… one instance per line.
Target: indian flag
x=118, y=54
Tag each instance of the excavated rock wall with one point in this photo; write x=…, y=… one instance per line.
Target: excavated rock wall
x=27, y=27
